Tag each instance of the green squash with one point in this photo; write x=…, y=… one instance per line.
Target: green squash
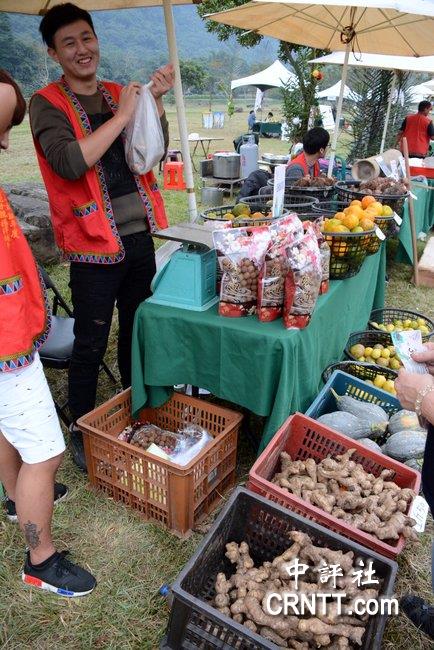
x=404, y=420
x=346, y=423
x=371, y=413
x=404, y=445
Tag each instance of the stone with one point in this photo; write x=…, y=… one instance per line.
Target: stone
x=30, y=204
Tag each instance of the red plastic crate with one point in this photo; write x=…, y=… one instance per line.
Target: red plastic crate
x=302, y=438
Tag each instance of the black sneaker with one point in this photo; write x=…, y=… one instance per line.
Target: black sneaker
x=60, y=492
x=77, y=447
x=59, y=575
x=420, y=613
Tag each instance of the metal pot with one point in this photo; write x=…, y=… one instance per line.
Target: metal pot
x=212, y=196
x=226, y=165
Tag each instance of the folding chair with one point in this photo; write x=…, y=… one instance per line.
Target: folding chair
x=57, y=350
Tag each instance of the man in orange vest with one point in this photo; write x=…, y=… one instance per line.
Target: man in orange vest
x=31, y=440
x=102, y=213
x=419, y=131
x=315, y=143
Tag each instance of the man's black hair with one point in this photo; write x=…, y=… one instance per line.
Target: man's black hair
x=315, y=139
x=423, y=105
x=59, y=16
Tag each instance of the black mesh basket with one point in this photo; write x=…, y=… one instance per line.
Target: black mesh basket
x=291, y=203
x=320, y=193
x=358, y=369
x=348, y=251
x=217, y=214
x=389, y=314
x=349, y=191
x=368, y=338
x=195, y=623
x=329, y=208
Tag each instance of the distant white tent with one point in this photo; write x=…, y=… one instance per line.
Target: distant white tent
x=419, y=93
x=384, y=62
x=429, y=84
x=275, y=76
x=332, y=93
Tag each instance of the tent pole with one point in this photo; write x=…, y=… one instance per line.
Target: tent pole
x=180, y=109
x=412, y=216
x=339, y=110
x=389, y=106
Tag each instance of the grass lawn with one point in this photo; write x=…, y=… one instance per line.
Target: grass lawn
x=132, y=559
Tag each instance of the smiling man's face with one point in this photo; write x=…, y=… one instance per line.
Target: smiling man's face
x=76, y=49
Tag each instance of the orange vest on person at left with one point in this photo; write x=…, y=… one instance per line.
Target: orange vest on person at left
x=416, y=132
x=81, y=210
x=24, y=314
x=301, y=160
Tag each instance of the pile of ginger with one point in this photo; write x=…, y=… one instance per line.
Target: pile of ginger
x=341, y=487
x=243, y=596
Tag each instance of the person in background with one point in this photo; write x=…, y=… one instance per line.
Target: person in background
x=251, y=119
x=31, y=440
x=315, y=143
x=270, y=117
x=102, y=213
x=416, y=393
x=419, y=131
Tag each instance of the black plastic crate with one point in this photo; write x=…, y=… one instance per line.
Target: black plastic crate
x=195, y=623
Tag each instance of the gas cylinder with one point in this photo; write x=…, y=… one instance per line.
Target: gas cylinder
x=249, y=156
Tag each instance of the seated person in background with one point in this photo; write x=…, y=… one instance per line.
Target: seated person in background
x=315, y=143
x=270, y=117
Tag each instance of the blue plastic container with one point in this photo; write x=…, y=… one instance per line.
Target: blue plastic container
x=345, y=384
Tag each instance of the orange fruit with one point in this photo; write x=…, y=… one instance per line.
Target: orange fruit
x=357, y=210
x=350, y=220
x=339, y=215
x=346, y=210
x=356, y=202
x=367, y=224
x=370, y=214
x=367, y=200
x=378, y=207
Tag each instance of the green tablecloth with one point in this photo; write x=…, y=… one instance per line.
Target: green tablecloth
x=261, y=366
x=424, y=213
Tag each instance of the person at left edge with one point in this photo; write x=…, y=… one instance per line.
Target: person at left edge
x=102, y=214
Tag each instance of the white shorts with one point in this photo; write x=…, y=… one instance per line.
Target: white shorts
x=28, y=418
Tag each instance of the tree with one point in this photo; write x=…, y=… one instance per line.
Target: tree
x=193, y=76
x=296, y=55
x=367, y=116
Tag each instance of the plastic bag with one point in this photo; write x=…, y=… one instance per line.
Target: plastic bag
x=240, y=253
x=302, y=283
x=324, y=250
x=144, y=140
x=284, y=232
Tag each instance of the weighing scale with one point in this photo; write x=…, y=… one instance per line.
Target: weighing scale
x=188, y=278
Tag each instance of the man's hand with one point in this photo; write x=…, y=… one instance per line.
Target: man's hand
x=407, y=386
x=426, y=357
x=128, y=101
x=162, y=81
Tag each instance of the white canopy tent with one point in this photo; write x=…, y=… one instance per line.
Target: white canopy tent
x=40, y=7
x=334, y=91
x=384, y=62
x=420, y=92
x=275, y=76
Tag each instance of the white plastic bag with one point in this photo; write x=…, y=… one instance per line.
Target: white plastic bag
x=144, y=140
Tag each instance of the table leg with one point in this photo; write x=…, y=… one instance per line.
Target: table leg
x=193, y=154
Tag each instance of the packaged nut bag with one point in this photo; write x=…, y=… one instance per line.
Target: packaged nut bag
x=324, y=250
x=302, y=282
x=284, y=232
x=240, y=253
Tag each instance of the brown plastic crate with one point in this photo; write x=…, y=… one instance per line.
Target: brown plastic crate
x=161, y=491
x=302, y=437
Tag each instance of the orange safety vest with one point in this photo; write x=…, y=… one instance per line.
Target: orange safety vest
x=24, y=313
x=416, y=132
x=81, y=210
x=301, y=160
